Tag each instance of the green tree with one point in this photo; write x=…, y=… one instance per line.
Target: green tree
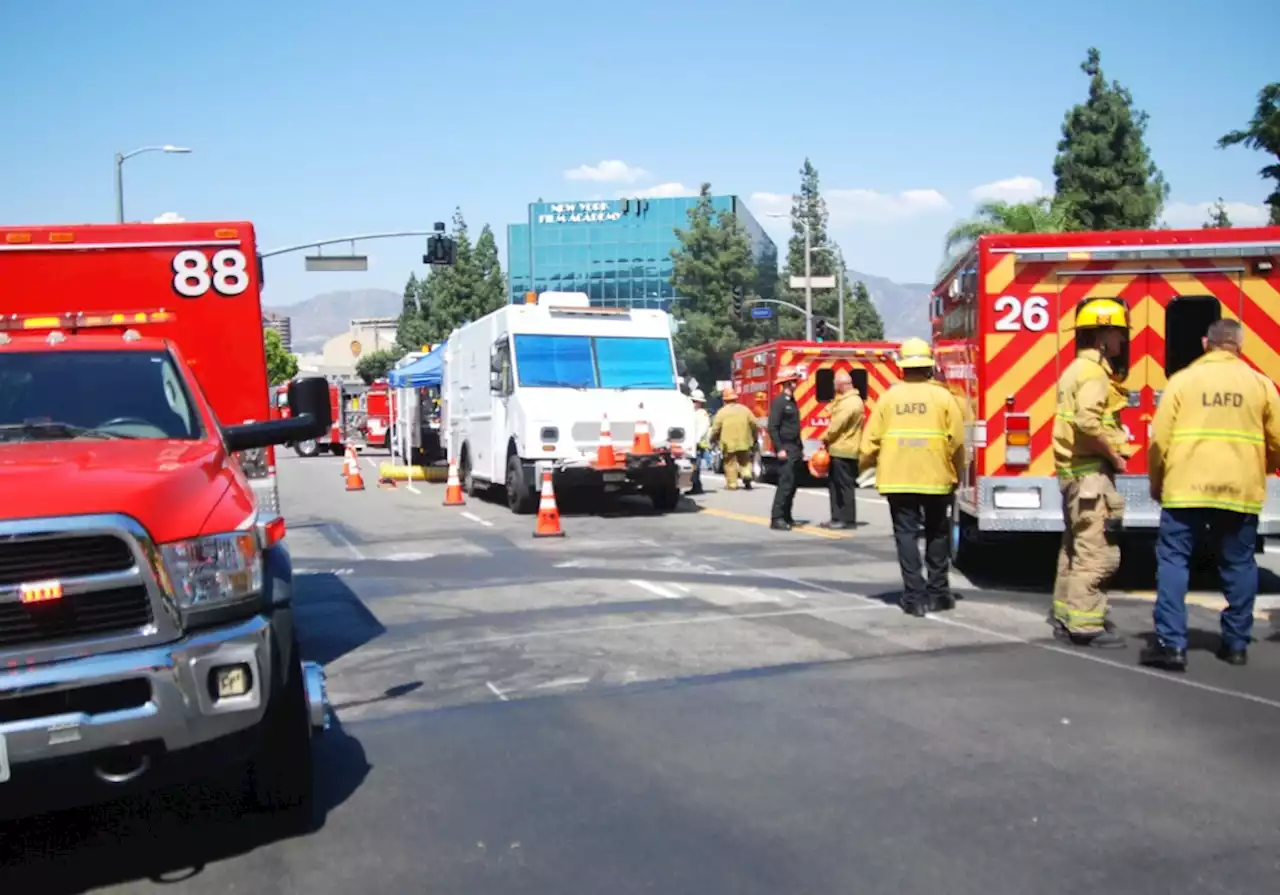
x=1106, y=179
x=713, y=258
x=412, y=330
x=807, y=207
x=281, y=365
x=376, y=364
x=1263, y=134
x=493, y=285
x=1041, y=215
x=862, y=322
x=449, y=295
x=1217, y=216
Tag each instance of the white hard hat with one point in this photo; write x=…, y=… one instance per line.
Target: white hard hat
x=698, y=396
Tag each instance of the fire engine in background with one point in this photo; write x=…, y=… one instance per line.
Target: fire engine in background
x=872, y=365
x=1003, y=319
x=146, y=623
x=377, y=415
x=348, y=420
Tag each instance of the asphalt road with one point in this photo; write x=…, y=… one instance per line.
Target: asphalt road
x=693, y=703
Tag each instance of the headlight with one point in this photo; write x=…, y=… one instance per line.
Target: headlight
x=213, y=571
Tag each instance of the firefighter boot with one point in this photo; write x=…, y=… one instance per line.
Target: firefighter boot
x=1169, y=658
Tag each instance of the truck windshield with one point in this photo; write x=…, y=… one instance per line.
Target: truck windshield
x=594, y=362
x=57, y=395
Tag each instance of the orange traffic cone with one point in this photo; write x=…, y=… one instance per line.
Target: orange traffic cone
x=453, y=488
x=354, y=480
x=548, y=525
x=605, y=457
x=641, y=443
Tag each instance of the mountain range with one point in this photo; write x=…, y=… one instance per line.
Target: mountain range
x=904, y=307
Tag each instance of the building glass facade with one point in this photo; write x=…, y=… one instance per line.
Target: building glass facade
x=617, y=251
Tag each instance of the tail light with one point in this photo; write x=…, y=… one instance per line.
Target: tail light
x=1017, y=438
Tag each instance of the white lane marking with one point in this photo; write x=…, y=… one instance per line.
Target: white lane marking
x=654, y=588
x=811, y=492
x=496, y=692
x=409, y=485
x=1135, y=669
x=798, y=595
x=563, y=682
x=372, y=465
x=474, y=518
x=346, y=542
x=718, y=619
x=811, y=585
x=680, y=587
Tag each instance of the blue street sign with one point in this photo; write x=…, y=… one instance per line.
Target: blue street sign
x=761, y=312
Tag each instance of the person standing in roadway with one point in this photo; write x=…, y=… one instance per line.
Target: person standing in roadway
x=1089, y=448
x=701, y=426
x=784, y=432
x=734, y=428
x=1214, y=438
x=842, y=440
x=915, y=439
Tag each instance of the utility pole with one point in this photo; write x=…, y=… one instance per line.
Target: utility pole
x=840, y=296
x=808, y=286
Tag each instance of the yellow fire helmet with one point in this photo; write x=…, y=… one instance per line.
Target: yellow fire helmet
x=1101, y=312
x=915, y=354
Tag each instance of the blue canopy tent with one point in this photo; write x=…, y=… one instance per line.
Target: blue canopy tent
x=425, y=371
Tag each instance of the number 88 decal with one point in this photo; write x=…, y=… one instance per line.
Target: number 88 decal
x=194, y=274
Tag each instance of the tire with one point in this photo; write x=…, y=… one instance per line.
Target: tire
x=281, y=774
x=308, y=448
x=468, y=479
x=665, y=497
x=966, y=550
x=521, y=498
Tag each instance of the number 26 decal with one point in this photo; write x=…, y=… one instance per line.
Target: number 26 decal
x=1033, y=314
x=194, y=273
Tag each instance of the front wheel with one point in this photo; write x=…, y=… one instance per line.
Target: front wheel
x=281, y=772
x=665, y=497
x=522, y=499
x=308, y=448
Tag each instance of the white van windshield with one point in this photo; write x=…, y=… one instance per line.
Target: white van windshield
x=588, y=362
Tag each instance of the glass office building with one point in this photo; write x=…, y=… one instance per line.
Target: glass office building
x=617, y=251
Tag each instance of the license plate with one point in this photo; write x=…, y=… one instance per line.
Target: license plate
x=4, y=761
x=615, y=476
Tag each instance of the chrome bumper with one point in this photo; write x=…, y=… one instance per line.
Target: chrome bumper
x=181, y=711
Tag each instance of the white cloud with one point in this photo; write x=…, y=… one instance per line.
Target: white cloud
x=1011, y=189
x=169, y=217
x=659, y=191
x=848, y=206
x=608, y=171
x=1193, y=214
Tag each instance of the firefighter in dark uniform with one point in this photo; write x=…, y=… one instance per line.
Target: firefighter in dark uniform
x=784, y=432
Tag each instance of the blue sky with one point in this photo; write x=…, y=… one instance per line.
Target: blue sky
x=317, y=119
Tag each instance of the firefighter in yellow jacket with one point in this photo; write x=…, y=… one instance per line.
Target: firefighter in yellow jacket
x=1089, y=448
x=734, y=428
x=1214, y=439
x=915, y=439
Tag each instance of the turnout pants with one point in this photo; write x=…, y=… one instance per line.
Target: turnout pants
x=1235, y=537
x=736, y=463
x=788, y=481
x=1089, y=555
x=842, y=483
x=910, y=513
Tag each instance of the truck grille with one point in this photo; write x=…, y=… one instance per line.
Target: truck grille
x=65, y=557
x=76, y=615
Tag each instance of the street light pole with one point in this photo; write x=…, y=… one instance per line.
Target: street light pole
x=808, y=286
x=122, y=157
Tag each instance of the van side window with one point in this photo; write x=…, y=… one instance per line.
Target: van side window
x=825, y=384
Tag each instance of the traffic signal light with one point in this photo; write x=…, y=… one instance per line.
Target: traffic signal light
x=819, y=328
x=737, y=301
x=440, y=250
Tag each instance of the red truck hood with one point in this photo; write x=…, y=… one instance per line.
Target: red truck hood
x=171, y=487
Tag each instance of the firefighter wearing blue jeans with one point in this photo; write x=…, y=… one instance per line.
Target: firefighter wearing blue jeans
x=1214, y=438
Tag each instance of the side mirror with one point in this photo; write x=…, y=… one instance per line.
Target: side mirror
x=495, y=380
x=681, y=367
x=495, y=363
x=310, y=417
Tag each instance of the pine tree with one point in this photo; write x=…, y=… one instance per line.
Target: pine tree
x=1217, y=216
x=493, y=285
x=1263, y=134
x=1106, y=179
x=862, y=322
x=412, y=330
x=807, y=206
x=714, y=257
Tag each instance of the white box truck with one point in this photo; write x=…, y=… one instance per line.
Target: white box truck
x=527, y=387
